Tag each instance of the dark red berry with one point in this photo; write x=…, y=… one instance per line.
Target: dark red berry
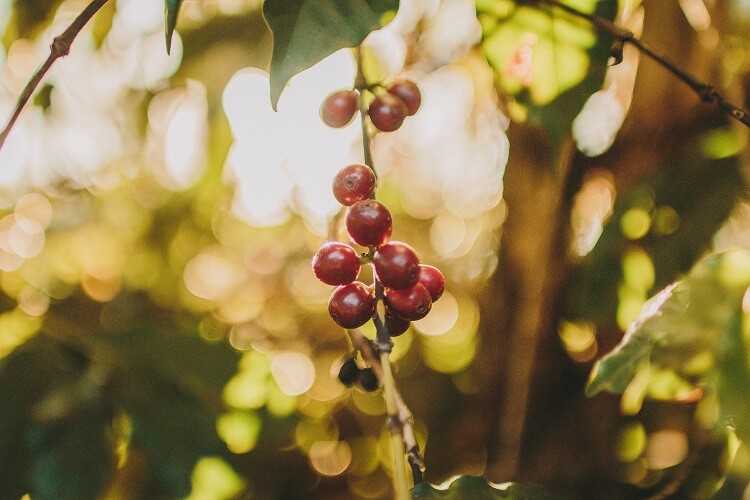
x=353, y=183
x=339, y=108
x=369, y=223
x=395, y=324
x=336, y=263
x=433, y=280
x=411, y=304
x=397, y=265
x=409, y=93
x=387, y=112
x=352, y=305
x=368, y=380
x=349, y=372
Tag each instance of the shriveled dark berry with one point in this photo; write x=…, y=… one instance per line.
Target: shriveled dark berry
x=353, y=183
x=367, y=380
x=395, y=324
x=349, y=372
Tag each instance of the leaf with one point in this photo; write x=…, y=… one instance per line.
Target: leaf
x=171, y=390
x=698, y=318
x=550, y=61
x=307, y=31
x=54, y=423
x=477, y=488
x=172, y=8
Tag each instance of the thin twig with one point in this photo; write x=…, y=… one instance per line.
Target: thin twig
x=405, y=417
x=705, y=91
x=60, y=48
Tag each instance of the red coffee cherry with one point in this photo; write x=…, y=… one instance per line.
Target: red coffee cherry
x=336, y=263
x=396, y=325
x=411, y=304
x=387, y=112
x=433, y=280
x=353, y=183
x=352, y=305
x=339, y=108
x=397, y=265
x=409, y=93
x=369, y=223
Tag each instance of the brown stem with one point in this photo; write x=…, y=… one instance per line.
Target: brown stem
x=60, y=48
x=705, y=91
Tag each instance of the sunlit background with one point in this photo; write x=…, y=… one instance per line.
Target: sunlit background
x=134, y=174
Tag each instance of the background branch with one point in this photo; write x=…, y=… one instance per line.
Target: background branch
x=705, y=91
x=60, y=48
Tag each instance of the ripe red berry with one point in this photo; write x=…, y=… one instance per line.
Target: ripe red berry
x=352, y=305
x=411, y=304
x=395, y=324
x=339, y=108
x=433, y=280
x=397, y=265
x=387, y=112
x=369, y=223
x=409, y=93
x=353, y=183
x=336, y=263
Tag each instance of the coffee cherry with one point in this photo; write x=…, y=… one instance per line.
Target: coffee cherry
x=349, y=372
x=369, y=223
x=339, y=108
x=433, y=280
x=368, y=380
x=411, y=304
x=396, y=325
x=409, y=93
x=397, y=265
x=387, y=112
x=353, y=183
x=336, y=263
x=352, y=305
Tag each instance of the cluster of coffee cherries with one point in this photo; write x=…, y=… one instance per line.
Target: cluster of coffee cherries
x=387, y=110
x=408, y=287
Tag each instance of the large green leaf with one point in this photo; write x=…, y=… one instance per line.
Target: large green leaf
x=477, y=488
x=307, y=31
x=172, y=8
x=55, y=439
x=694, y=328
x=550, y=61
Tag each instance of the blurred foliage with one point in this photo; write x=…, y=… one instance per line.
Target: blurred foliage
x=469, y=487
x=307, y=31
x=546, y=60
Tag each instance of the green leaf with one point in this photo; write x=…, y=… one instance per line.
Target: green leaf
x=307, y=31
x=54, y=423
x=477, y=488
x=699, y=318
x=550, y=61
x=172, y=8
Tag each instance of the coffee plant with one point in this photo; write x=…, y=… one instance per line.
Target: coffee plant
x=440, y=249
